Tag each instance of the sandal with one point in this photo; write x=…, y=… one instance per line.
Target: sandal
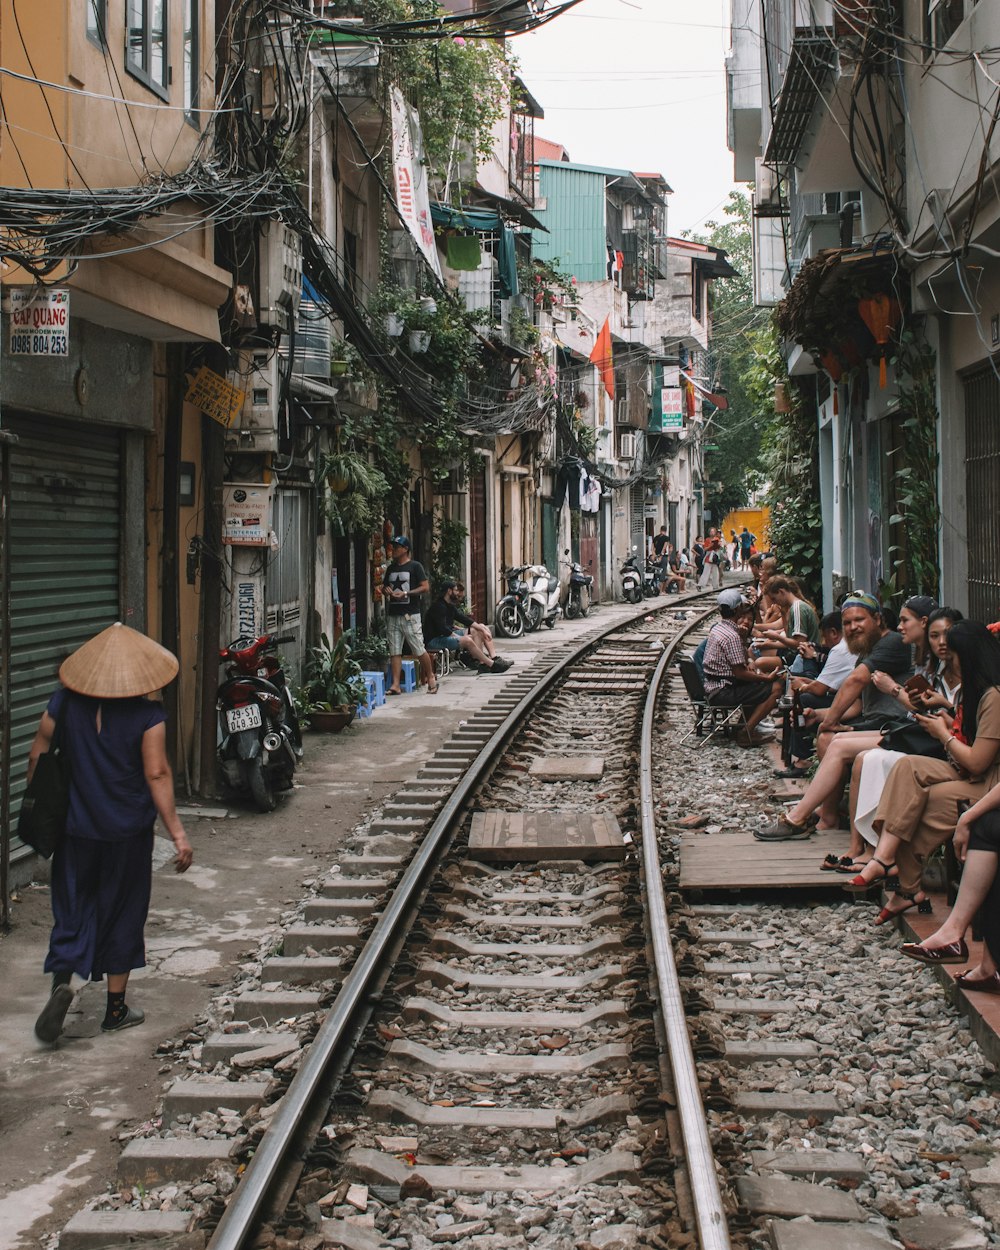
x=832, y=863
x=862, y=884
x=923, y=906
x=432, y=689
x=391, y=691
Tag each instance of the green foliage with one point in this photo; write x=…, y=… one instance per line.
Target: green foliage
x=460, y=88
x=737, y=433
x=370, y=648
x=333, y=676
x=448, y=551
x=357, y=492
x=790, y=456
x=918, y=511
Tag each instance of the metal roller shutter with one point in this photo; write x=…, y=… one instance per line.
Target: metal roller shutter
x=65, y=538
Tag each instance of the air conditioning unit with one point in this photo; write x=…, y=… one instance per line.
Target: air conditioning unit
x=626, y=446
x=256, y=427
x=280, y=275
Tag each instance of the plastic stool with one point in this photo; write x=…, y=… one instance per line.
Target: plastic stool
x=377, y=697
x=369, y=705
x=407, y=676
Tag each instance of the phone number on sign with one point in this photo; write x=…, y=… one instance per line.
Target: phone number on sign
x=39, y=345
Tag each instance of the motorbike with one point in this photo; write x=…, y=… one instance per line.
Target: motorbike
x=543, y=597
x=652, y=578
x=581, y=592
x=511, y=617
x=260, y=739
x=631, y=577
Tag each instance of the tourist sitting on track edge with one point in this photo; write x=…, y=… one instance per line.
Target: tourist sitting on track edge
x=811, y=693
x=924, y=798
x=439, y=625
x=858, y=706
x=731, y=677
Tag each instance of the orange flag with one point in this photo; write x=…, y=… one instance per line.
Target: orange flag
x=601, y=356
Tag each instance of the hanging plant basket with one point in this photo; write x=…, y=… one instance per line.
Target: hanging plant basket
x=782, y=399
x=420, y=340
x=394, y=325
x=339, y=367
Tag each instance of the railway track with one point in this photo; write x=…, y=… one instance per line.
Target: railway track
x=453, y=1042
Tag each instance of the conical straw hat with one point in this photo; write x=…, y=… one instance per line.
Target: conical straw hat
x=118, y=663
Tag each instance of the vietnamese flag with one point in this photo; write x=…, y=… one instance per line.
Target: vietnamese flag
x=601, y=356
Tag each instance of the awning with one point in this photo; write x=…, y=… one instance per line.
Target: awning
x=720, y=401
x=511, y=208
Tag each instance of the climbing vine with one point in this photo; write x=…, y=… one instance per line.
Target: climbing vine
x=918, y=515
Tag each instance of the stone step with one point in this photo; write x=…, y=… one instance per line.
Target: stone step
x=804, y=1235
x=301, y=969
x=270, y=1006
x=602, y=915
x=814, y=1164
x=796, y=1104
x=400, y=826
x=442, y=974
x=326, y=907
x=401, y=848
x=354, y=887
x=196, y=1094
x=754, y=1006
x=455, y=944
x=377, y=1168
x=420, y=1058
x=397, y=1108
x=154, y=1161
x=319, y=936
x=741, y=1054
x=774, y=1195
x=96, y=1230
x=538, y=1021
x=365, y=865
x=221, y=1047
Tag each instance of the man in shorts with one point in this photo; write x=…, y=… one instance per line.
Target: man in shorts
x=731, y=678
x=443, y=636
x=404, y=583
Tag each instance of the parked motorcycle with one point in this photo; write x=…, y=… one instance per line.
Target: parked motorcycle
x=581, y=590
x=543, y=597
x=651, y=578
x=511, y=617
x=631, y=576
x=260, y=740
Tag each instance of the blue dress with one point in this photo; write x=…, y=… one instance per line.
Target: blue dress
x=102, y=873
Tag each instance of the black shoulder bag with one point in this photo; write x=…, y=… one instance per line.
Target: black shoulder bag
x=909, y=738
x=45, y=806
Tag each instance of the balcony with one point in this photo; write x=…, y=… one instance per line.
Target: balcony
x=808, y=71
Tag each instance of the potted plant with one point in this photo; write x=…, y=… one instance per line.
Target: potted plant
x=371, y=650
x=334, y=686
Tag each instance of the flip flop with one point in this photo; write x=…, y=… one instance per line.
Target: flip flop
x=394, y=692
x=432, y=689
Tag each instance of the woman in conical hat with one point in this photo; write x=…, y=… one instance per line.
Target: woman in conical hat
x=115, y=740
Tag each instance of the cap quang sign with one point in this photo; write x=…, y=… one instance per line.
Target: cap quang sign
x=246, y=514
x=216, y=397
x=39, y=321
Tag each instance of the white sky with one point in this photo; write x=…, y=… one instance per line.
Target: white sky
x=639, y=84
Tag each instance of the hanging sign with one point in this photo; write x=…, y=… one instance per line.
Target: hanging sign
x=412, y=198
x=216, y=397
x=39, y=321
x=246, y=514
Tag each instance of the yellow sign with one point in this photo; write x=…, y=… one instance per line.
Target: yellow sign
x=216, y=397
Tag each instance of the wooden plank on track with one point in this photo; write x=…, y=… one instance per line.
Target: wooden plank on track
x=737, y=861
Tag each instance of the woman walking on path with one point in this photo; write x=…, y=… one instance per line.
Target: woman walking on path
x=115, y=742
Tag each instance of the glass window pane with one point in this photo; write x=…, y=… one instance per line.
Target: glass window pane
x=158, y=41
x=95, y=19
x=136, y=33
x=191, y=55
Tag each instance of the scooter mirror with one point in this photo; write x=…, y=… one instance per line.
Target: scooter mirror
x=634, y=547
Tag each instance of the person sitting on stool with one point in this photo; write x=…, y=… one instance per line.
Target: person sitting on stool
x=442, y=635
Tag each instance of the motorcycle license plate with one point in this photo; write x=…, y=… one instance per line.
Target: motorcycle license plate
x=239, y=718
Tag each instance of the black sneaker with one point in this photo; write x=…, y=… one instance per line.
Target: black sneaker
x=133, y=1015
x=49, y=1024
x=501, y=666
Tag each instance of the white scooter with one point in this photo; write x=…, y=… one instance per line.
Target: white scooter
x=631, y=577
x=543, y=597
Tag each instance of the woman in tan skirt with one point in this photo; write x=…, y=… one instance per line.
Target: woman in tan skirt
x=923, y=798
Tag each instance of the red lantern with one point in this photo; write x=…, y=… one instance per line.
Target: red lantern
x=881, y=314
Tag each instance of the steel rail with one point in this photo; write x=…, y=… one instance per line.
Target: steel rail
x=236, y=1222
x=710, y=1216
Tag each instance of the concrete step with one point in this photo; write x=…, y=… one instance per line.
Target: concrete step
x=742, y=1054
x=377, y=1168
x=812, y=1164
x=796, y=1104
x=153, y=1161
x=221, y=1047
x=417, y=1057
x=367, y=865
x=354, y=887
x=600, y=915
x=270, y=1006
x=327, y=907
x=775, y=1195
x=722, y=968
x=612, y=1009
x=302, y=969
x=320, y=937
x=607, y=943
x=754, y=1006
x=196, y=1094
x=533, y=897
x=96, y=1230
x=397, y=1108
x=442, y=974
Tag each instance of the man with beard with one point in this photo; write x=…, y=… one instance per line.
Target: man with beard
x=853, y=721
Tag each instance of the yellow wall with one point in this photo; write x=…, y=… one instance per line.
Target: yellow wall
x=757, y=521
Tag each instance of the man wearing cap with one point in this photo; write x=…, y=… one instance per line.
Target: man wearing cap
x=731, y=680
x=858, y=705
x=442, y=636
x=404, y=583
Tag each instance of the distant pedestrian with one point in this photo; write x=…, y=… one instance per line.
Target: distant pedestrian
x=747, y=541
x=698, y=552
x=115, y=741
x=711, y=573
x=404, y=584
x=734, y=549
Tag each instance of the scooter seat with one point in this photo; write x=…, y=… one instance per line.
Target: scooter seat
x=553, y=584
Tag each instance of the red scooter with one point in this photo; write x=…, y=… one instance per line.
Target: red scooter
x=260, y=740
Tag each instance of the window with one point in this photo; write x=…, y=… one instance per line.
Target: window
x=943, y=18
x=190, y=58
x=97, y=12
x=146, y=43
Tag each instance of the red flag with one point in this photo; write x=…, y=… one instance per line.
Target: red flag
x=601, y=356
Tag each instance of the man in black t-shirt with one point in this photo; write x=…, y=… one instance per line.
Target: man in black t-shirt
x=405, y=582
x=439, y=625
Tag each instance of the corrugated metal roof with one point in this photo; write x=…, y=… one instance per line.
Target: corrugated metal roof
x=591, y=169
x=574, y=212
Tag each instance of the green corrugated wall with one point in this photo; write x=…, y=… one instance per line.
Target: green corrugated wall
x=574, y=215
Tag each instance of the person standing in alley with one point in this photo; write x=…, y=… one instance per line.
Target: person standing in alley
x=711, y=573
x=404, y=584
x=747, y=541
x=115, y=740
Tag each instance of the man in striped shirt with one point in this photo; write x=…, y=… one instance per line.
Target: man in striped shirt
x=731, y=679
